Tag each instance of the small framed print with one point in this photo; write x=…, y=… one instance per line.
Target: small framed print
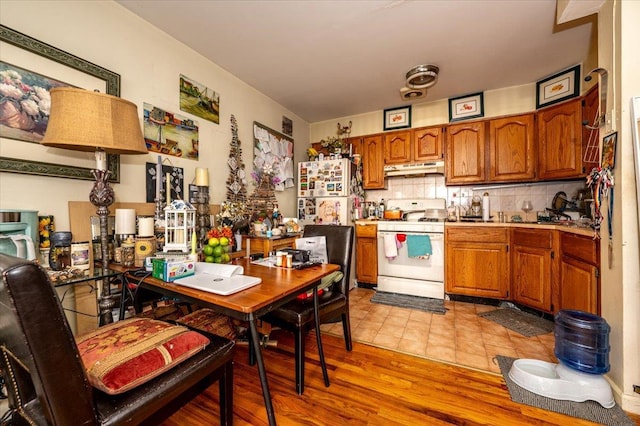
x=609, y=151
x=558, y=87
x=465, y=107
x=397, y=118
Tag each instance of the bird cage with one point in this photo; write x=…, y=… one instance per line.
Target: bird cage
x=180, y=222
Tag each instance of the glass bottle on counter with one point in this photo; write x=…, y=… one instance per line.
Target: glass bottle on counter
x=372, y=210
x=452, y=215
x=381, y=209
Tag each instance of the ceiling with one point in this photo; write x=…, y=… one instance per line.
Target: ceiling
x=329, y=59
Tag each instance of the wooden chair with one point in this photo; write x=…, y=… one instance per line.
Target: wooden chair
x=47, y=382
x=297, y=316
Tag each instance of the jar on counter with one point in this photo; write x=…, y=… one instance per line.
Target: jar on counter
x=128, y=254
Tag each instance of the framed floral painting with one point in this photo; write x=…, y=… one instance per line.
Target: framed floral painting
x=29, y=68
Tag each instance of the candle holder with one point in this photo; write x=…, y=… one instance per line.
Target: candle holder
x=203, y=219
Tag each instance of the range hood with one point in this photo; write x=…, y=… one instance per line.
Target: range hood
x=436, y=167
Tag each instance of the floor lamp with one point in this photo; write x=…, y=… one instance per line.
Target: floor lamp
x=83, y=120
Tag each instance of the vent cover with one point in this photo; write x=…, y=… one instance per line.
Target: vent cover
x=410, y=94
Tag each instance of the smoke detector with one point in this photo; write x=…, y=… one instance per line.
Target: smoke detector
x=422, y=76
x=410, y=94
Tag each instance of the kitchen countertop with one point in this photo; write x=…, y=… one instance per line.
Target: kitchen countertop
x=533, y=225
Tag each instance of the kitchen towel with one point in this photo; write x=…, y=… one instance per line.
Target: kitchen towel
x=419, y=246
x=390, y=247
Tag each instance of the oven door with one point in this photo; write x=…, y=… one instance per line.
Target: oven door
x=413, y=276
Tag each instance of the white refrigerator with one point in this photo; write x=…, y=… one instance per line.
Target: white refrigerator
x=329, y=191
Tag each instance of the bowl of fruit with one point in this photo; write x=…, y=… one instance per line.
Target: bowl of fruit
x=219, y=245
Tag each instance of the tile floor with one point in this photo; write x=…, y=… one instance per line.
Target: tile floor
x=460, y=336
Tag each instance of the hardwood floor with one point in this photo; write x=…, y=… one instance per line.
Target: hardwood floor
x=369, y=386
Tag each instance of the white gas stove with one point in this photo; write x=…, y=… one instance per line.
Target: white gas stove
x=419, y=215
x=399, y=270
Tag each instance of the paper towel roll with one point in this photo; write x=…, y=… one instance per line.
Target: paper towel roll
x=485, y=207
x=146, y=226
x=390, y=247
x=125, y=222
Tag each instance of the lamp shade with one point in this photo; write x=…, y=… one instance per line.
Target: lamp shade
x=83, y=120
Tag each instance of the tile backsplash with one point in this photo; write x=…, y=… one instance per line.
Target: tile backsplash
x=507, y=198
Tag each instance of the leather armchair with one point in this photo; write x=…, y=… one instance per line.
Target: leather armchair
x=297, y=316
x=47, y=382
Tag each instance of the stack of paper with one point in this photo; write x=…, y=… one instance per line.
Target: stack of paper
x=219, y=279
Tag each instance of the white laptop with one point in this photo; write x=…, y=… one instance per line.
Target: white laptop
x=219, y=279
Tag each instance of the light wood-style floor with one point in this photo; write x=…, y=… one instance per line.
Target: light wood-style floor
x=460, y=336
x=369, y=386
x=375, y=386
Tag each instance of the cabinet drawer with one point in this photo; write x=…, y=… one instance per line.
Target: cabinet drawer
x=366, y=230
x=477, y=234
x=540, y=238
x=579, y=247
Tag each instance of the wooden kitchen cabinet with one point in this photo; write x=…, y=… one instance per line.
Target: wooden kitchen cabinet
x=512, y=156
x=373, y=162
x=366, y=253
x=414, y=145
x=397, y=147
x=477, y=261
x=560, y=141
x=533, y=260
x=427, y=143
x=579, y=285
x=465, y=153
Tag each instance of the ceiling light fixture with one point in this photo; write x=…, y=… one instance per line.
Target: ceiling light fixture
x=422, y=76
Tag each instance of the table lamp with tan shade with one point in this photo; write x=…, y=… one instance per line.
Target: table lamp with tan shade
x=83, y=120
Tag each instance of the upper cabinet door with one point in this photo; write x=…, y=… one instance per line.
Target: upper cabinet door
x=427, y=144
x=397, y=147
x=560, y=141
x=372, y=162
x=465, y=153
x=511, y=152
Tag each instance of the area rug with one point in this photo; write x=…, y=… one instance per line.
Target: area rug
x=521, y=322
x=588, y=410
x=412, y=302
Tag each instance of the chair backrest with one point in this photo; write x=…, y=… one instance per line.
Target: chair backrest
x=340, y=240
x=45, y=378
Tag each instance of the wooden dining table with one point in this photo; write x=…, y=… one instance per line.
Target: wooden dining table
x=278, y=286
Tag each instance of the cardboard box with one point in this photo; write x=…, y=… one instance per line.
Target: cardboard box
x=170, y=270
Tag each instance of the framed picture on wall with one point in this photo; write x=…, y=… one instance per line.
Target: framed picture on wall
x=397, y=118
x=32, y=63
x=467, y=106
x=558, y=87
x=609, y=151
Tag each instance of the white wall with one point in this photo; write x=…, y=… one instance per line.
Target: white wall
x=150, y=63
x=621, y=296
